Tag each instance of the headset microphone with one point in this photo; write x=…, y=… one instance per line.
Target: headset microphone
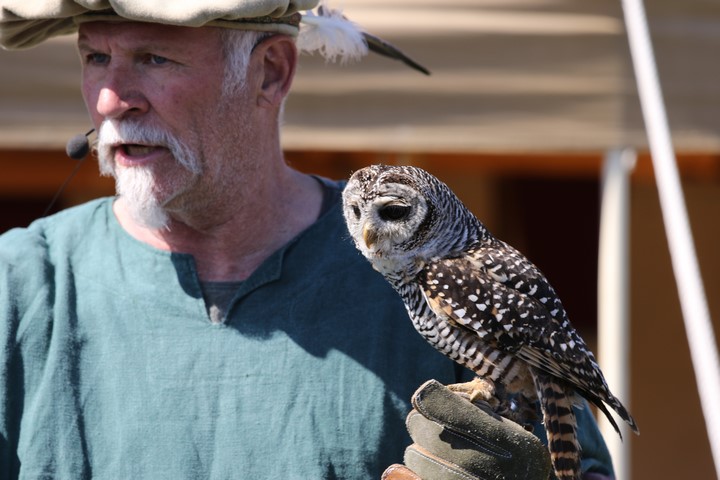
x=78, y=146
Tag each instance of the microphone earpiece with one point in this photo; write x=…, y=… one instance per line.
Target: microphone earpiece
x=78, y=146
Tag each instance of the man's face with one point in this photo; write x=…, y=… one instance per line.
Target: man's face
x=155, y=94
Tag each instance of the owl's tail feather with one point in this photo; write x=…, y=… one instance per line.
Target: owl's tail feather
x=556, y=403
x=601, y=406
x=608, y=398
x=622, y=411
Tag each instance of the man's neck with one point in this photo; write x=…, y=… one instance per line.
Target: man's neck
x=243, y=234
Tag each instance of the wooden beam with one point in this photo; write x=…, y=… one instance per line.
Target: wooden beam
x=39, y=173
x=703, y=167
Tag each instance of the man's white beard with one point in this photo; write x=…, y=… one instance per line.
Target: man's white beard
x=138, y=185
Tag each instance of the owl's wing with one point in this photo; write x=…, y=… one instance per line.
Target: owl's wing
x=504, y=299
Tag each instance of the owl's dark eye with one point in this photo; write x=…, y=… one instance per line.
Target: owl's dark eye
x=356, y=211
x=394, y=212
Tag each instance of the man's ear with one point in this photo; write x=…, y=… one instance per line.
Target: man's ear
x=277, y=58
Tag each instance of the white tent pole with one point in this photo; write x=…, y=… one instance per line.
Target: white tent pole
x=698, y=327
x=613, y=296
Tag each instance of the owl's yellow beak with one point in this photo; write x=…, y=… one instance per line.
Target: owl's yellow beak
x=369, y=236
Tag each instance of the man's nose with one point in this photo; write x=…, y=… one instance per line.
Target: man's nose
x=119, y=99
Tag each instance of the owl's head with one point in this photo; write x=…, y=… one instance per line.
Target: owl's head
x=399, y=214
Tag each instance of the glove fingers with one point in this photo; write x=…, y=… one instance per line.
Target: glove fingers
x=430, y=467
x=399, y=472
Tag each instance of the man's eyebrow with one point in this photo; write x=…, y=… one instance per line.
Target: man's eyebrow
x=82, y=43
x=84, y=47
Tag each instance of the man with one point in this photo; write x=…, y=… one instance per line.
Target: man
x=213, y=320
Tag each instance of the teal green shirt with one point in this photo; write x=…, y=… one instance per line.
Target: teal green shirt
x=110, y=367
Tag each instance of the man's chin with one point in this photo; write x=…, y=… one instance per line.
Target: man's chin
x=138, y=192
x=148, y=214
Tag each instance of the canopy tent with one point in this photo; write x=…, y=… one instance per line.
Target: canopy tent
x=508, y=75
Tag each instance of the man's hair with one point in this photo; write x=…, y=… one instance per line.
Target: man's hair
x=237, y=46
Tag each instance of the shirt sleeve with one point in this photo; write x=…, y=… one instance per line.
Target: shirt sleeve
x=21, y=270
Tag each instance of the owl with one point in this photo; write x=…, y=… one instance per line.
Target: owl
x=480, y=302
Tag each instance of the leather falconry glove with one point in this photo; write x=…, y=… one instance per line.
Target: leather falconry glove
x=457, y=440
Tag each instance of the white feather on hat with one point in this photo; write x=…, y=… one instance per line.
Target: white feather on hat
x=332, y=35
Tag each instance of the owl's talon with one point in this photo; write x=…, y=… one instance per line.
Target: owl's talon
x=477, y=390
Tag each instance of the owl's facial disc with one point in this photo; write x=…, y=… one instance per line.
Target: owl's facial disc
x=383, y=213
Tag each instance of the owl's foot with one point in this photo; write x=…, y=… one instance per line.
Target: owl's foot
x=477, y=390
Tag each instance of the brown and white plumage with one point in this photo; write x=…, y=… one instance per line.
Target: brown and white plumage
x=478, y=301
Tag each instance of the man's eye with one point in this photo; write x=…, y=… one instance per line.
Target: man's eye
x=157, y=60
x=97, y=58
